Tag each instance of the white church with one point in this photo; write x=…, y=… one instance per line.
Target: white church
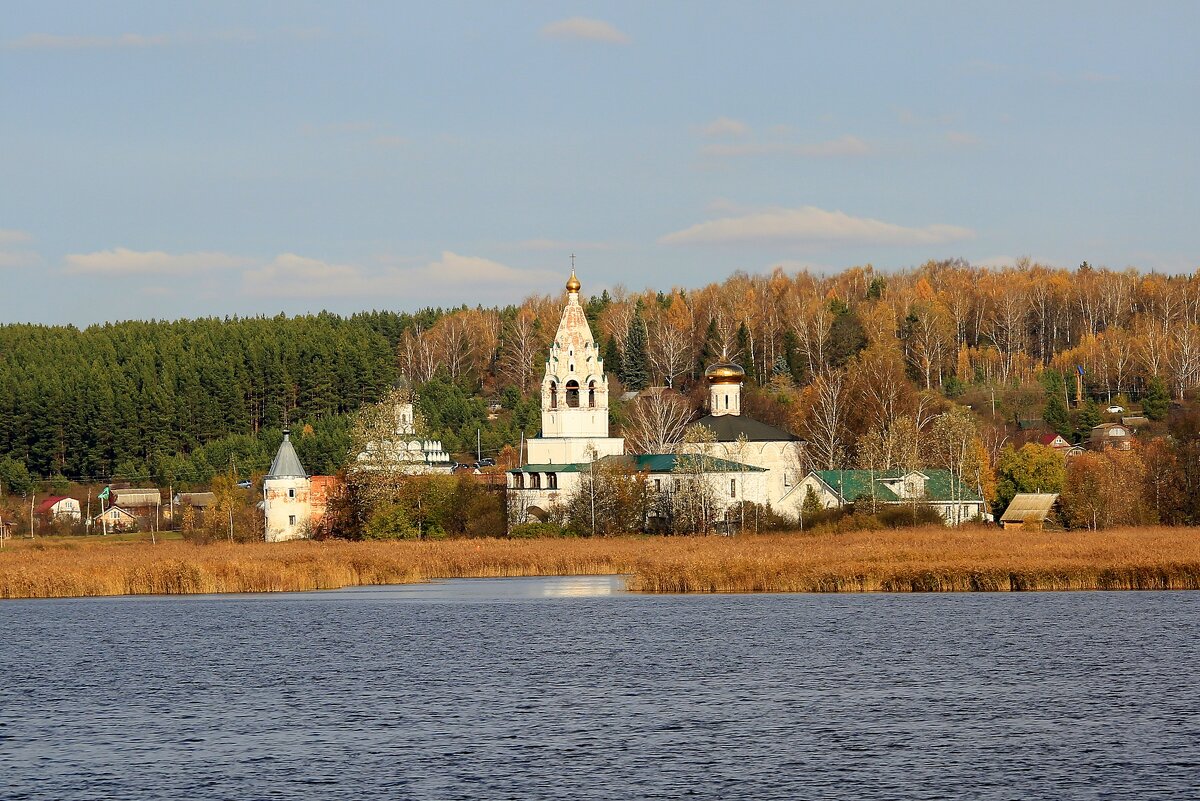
x=404, y=451
x=748, y=461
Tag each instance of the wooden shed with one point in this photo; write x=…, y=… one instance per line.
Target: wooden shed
x=1033, y=510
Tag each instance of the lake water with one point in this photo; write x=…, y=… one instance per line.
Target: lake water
x=571, y=689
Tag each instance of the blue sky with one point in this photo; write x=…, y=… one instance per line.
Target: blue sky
x=169, y=159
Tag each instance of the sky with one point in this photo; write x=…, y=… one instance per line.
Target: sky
x=164, y=160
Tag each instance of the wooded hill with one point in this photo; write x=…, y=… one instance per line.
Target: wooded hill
x=833, y=357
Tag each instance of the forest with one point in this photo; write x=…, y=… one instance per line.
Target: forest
x=858, y=363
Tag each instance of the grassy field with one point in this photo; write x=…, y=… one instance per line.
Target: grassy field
x=917, y=560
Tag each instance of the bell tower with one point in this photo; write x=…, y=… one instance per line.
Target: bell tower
x=574, y=393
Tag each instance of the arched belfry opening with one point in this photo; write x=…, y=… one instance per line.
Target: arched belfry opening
x=592, y=394
x=573, y=394
x=553, y=394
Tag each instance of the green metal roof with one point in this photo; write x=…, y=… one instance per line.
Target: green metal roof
x=855, y=484
x=669, y=463
x=565, y=467
x=648, y=463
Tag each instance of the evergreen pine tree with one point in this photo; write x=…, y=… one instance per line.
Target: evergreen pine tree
x=612, y=357
x=1087, y=418
x=635, y=361
x=1157, y=402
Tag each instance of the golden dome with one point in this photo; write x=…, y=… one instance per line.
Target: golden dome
x=573, y=282
x=725, y=373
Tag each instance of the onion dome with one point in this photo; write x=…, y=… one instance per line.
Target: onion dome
x=573, y=282
x=725, y=373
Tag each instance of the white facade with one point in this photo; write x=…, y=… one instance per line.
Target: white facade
x=536, y=489
x=66, y=509
x=405, y=452
x=893, y=488
x=286, y=495
x=748, y=441
x=574, y=394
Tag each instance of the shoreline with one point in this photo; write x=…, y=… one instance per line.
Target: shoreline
x=890, y=561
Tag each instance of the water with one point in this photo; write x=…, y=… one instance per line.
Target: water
x=571, y=689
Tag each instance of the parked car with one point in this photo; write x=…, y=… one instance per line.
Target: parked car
x=487, y=461
x=1115, y=409
x=245, y=484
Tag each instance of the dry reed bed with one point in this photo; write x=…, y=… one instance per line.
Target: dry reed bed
x=919, y=560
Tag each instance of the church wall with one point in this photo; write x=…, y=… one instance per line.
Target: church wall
x=288, y=508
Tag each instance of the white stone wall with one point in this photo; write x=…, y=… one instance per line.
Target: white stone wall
x=287, y=507
x=568, y=450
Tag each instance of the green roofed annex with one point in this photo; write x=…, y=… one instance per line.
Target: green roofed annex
x=955, y=501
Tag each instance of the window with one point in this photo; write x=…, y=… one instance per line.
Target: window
x=535, y=480
x=733, y=488
x=552, y=481
x=553, y=395
x=291, y=520
x=658, y=485
x=291, y=492
x=573, y=394
x=726, y=401
x=592, y=394
x=789, y=477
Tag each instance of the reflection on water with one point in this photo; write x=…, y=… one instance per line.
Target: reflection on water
x=571, y=688
x=474, y=590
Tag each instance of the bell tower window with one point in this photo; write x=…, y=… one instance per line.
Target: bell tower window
x=553, y=395
x=592, y=394
x=573, y=394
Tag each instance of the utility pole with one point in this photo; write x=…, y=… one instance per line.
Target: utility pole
x=31, y=498
x=478, y=452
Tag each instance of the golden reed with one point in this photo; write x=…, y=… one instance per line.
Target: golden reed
x=917, y=560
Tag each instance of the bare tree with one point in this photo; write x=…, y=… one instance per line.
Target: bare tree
x=656, y=421
x=825, y=421
x=522, y=345
x=670, y=351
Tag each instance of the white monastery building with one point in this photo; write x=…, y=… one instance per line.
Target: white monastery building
x=575, y=432
x=405, y=452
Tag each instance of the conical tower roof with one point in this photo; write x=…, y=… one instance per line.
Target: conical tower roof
x=287, y=463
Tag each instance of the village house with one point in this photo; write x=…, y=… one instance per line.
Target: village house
x=143, y=503
x=1060, y=444
x=1032, y=510
x=1111, y=435
x=955, y=502
x=59, y=507
x=114, y=519
x=196, y=501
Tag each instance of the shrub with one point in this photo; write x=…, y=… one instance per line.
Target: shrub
x=909, y=515
x=532, y=531
x=390, y=522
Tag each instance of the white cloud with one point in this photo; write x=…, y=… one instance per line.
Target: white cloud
x=48, y=41
x=962, y=138
x=290, y=275
x=18, y=258
x=725, y=126
x=833, y=148
x=810, y=224
x=581, y=28
x=452, y=268
x=122, y=261
x=9, y=236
